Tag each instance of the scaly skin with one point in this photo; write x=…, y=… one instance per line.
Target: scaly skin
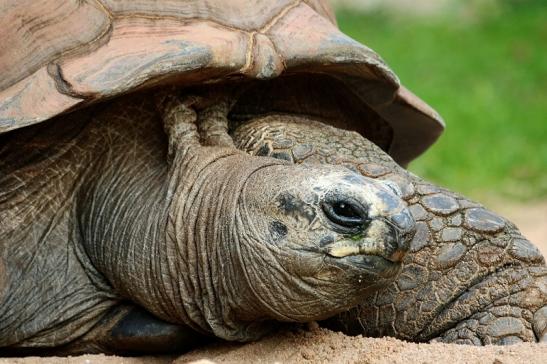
x=470, y=276
x=100, y=212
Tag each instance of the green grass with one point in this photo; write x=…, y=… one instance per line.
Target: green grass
x=487, y=76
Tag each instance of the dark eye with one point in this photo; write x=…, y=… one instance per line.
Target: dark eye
x=346, y=214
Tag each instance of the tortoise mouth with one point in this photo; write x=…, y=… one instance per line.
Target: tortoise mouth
x=365, y=265
x=392, y=247
x=362, y=267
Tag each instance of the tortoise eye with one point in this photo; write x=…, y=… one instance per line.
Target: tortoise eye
x=345, y=214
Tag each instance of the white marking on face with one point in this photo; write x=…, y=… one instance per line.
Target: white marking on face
x=344, y=250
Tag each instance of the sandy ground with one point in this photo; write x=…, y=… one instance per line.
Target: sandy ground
x=323, y=346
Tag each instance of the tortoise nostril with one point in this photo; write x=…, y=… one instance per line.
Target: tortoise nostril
x=345, y=213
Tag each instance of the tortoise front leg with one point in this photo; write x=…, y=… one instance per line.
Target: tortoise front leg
x=179, y=121
x=131, y=330
x=213, y=125
x=188, y=129
x=470, y=276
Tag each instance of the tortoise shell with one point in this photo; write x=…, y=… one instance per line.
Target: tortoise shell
x=59, y=55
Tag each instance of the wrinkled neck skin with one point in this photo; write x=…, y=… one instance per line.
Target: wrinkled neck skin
x=470, y=276
x=163, y=233
x=204, y=239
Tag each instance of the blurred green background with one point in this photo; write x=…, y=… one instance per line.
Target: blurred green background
x=482, y=64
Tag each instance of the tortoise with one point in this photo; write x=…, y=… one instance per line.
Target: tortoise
x=131, y=223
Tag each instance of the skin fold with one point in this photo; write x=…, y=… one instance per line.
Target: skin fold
x=145, y=203
x=470, y=276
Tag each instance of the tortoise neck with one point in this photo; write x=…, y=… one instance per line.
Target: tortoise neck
x=122, y=217
x=165, y=237
x=204, y=280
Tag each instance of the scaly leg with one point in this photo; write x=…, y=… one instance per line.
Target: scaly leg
x=213, y=125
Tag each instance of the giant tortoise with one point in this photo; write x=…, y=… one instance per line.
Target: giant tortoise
x=130, y=222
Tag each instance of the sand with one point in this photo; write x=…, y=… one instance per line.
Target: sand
x=324, y=346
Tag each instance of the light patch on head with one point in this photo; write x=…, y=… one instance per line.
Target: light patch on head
x=374, y=242
x=366, y=246
x=343, y=250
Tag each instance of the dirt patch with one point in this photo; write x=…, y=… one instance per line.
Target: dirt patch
x=324, y=346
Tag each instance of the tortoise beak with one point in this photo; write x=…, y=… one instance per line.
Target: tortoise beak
x=380, y=238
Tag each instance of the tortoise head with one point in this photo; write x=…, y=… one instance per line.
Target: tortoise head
x=314, y=240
